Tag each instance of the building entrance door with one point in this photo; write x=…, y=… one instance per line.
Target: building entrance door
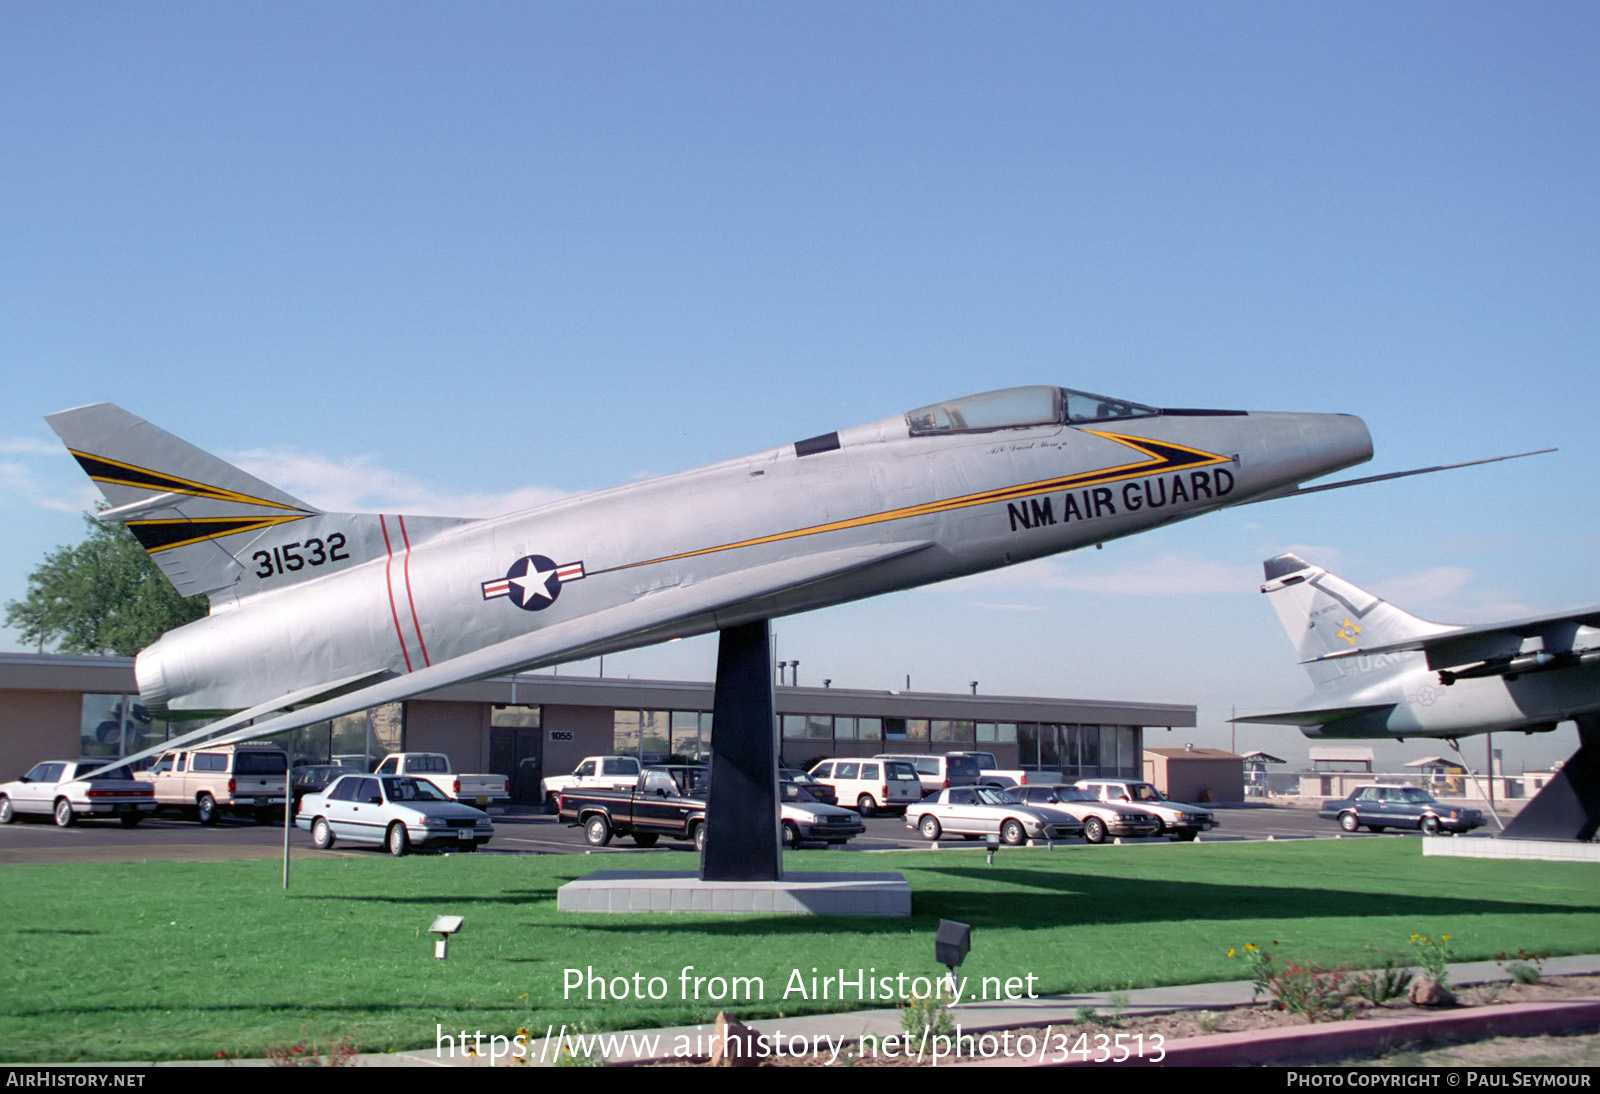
x=516, y=753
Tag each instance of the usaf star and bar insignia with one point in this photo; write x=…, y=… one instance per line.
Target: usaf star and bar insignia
x=533, y=582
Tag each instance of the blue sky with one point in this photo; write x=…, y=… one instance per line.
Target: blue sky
x=455, y=258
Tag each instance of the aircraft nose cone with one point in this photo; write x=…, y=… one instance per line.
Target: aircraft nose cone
x=1335, y=441
x=1292, y=449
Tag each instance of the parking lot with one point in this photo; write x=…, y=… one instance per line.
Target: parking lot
x=170, y=836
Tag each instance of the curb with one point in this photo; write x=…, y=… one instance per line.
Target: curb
x=1363, y=1037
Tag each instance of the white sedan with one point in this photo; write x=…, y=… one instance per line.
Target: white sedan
x=1100, y=819
x=974, y=811
x=806, y=820
x=396, y=812
x=57, y=788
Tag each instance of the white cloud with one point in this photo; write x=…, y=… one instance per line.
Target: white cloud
x=358, y=484
x=32, y=447
x=56, y=488
x=1438, y=584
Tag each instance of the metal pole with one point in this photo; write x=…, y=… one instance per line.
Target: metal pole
x=288, y=819
x=1455, y=743
x=1488, y=758
x=288, y=802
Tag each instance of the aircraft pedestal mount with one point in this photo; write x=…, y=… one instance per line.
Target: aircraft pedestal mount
x=1568, y=808
x=741, y=869
x=742, y=831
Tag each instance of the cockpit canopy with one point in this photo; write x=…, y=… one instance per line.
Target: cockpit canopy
x=1017, y=407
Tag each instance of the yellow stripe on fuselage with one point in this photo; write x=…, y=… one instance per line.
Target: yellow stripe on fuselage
x=1154, y=465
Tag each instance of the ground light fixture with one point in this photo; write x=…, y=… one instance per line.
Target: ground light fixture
x=444, y=927
x=951, y=943
x=993, y=843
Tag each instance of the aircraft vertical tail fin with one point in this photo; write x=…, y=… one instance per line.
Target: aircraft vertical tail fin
x=179, y=501
x=1324, y=614
x=209, y=525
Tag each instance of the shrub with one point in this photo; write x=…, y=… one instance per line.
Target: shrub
x=1311, y=991
x=1379, y=986
x=1434, y=957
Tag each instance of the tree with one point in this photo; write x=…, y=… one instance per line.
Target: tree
x=103, y=596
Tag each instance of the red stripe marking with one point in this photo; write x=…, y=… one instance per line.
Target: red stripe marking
x=388, y=583
x=415, y=622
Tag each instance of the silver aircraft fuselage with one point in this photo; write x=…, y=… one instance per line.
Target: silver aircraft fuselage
x=952, y=489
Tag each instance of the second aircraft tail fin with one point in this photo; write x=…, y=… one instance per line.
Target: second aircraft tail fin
x=1324, y=614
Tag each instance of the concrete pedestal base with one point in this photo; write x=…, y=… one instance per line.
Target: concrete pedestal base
x=798, y=893
x=1543, y=850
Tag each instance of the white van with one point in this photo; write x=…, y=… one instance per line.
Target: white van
x=940, y=772
x=871, y=784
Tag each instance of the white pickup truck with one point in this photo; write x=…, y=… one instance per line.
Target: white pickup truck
x=993, y=774
x=434, y=767
x=594, y=773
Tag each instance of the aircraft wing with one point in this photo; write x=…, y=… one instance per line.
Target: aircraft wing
x=1487, y=641
x=721, y=601
x=1318, y=717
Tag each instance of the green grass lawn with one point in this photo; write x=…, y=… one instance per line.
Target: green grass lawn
x=145, y=961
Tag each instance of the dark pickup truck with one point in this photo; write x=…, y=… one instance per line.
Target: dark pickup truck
x=666, y=801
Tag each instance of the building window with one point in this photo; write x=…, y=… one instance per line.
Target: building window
x=520, y=716
x=658, y=736
x=655, y=735
x=686, y=736
x=1050, y=747
x=625, y=732
x=1028, y=746
x=118, y=725
x=102, y=725
x=1089, y=749
x=312, y=743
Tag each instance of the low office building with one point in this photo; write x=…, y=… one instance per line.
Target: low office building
x=531, y=725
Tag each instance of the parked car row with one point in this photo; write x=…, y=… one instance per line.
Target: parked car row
x=253, y=779
x=1121, y=807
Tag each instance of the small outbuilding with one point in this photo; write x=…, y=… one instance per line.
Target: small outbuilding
x=1193, y=774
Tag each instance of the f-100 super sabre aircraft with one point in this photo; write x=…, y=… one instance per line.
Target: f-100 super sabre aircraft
x=332, y=613
x=341, y=611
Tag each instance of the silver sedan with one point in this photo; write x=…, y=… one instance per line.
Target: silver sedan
x=396, y=812
x=976, y=811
